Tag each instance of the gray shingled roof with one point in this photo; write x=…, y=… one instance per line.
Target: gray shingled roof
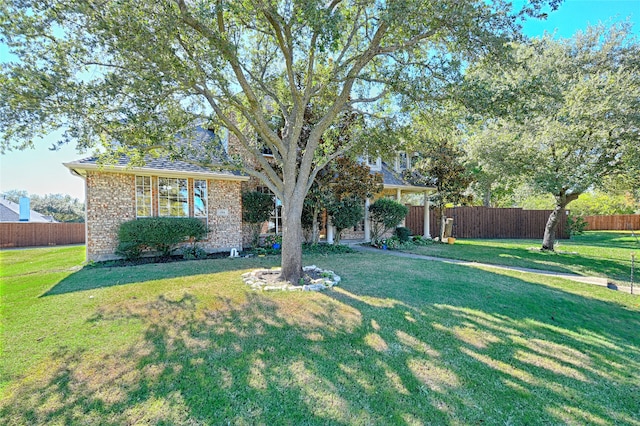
x=199, y=136
x=390, y=177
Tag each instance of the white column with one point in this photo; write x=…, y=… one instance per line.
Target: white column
x=427, y=216
x=399, y=200
x=329, y=231
x=367, y=224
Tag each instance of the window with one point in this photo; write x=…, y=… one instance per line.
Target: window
x=274, y=226
x=173, y=197
x=200, y=198
x=402, y=161
x=143, y=196
x=374, y=163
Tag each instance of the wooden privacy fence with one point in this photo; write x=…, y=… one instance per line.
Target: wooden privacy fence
x=484, y=222
x=16, y=234
x=618, y=222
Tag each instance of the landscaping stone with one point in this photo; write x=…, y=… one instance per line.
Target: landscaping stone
x=314, y=279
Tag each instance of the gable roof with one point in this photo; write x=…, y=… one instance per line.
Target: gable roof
x=10, y=212
x=163, y=164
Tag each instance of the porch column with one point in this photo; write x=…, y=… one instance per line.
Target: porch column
x=329, y=231
x=367, y=224
x=427, y=216
x=399, y=200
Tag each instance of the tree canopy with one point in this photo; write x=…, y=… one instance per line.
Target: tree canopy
x=131, y=74
x=563, y=115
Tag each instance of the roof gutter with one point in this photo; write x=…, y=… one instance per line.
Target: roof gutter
x=77, y=169
x=411, y=188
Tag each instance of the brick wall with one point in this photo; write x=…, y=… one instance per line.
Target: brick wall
x=111, y=201
x=225, y=215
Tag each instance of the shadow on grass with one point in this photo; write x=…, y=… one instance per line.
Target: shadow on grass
x=563, y=262
x=409, y=343
x=91, y=277
x=607, y=240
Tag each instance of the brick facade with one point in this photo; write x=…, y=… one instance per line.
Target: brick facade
x=225, y=215
x=111, y=200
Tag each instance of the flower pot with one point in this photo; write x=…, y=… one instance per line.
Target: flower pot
x=275, y=246
x=451, y=240
x=384, y=247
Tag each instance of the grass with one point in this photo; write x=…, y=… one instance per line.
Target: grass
x=401, y=341
x=601, y=254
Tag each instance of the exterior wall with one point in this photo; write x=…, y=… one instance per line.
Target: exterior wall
x=351, y=234
x=111, y=200
x=225, y=216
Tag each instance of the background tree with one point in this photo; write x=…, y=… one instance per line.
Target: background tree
x=442, y=165
x=565, y=114
x=343, y=179
x=132, y=74
x=62, y=207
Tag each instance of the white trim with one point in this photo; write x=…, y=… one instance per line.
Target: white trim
x=150, y=189
x=410, y=188
x=147, y=171
x=399, y=167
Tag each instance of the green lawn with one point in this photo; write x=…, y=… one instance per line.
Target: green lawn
x=601, y=254
x=401, y=341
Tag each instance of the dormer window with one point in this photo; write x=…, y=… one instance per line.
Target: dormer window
x=374, y=163
x=403, y=162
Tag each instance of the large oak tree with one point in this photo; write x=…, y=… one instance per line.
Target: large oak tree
x=130, y=74
x=563, y=115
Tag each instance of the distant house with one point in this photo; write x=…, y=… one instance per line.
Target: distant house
x=10, y=212
x=116, y=193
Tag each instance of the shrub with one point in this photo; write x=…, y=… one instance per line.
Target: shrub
x=403, y=234
x=419, y=240
x=385, y=215
x=325, y=249
x=346, y=213
x=193, y=252
x=271, y=240
x=256, y=209
x=576, y=225
x=163, y=234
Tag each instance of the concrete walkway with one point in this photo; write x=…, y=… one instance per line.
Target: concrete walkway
x=603, y=282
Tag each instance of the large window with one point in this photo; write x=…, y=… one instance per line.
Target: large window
x=200, y=198
x=173, y=197
x=143, y=196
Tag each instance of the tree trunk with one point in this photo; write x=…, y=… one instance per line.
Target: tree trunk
x=292, y=235
x=486, y=199
x=315, y=236
x=549, y=239
x=443, y=220
x=336, y=240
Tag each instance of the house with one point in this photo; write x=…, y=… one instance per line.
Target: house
x=10, y=212
x=119, y=192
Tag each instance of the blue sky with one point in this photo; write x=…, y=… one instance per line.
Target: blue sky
x=40, y=171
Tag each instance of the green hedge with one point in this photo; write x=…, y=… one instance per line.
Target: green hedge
x=162, y=234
